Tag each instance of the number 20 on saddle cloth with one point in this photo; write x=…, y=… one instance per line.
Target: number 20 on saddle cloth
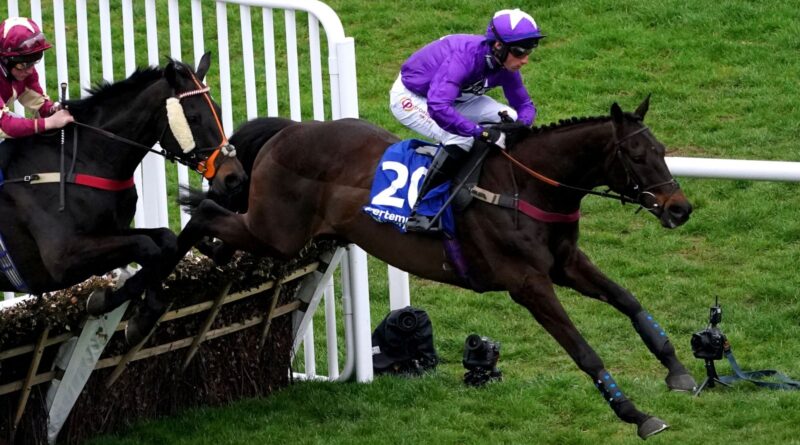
x=396, y=185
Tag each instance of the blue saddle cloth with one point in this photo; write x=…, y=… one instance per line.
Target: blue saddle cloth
x=402, y=170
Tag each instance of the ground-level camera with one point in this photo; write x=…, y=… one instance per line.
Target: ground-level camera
x=480, y=358
x=710, y=344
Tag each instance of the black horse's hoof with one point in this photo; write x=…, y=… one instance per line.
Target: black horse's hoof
x=683, y=382
x=651, y=426
x=99, y=302
x=141, y=324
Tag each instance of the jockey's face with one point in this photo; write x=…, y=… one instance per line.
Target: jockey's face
x=22, y=73
x=514, y=62
x=21, y=69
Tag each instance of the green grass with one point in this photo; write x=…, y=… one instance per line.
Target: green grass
x=723, y=75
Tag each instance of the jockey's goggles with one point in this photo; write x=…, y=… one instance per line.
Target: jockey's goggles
x=519, y=52
x=22, y=66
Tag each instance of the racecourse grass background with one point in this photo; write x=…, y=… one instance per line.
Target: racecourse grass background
x=723, y=76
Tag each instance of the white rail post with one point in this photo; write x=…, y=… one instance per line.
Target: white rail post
x=734, y=169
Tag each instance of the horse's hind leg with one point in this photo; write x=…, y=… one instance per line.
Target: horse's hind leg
x=580, y=274
x=212, y=220
x=537, y=295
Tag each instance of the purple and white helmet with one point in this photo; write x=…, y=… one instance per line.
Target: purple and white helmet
x=514, y=27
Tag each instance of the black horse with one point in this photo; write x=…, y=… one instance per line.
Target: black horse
x=311, y=179
x=45, y=248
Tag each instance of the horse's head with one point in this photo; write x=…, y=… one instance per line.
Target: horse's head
x=637, y=168
x=196, y=136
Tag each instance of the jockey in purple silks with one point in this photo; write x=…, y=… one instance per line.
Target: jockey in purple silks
x=22, y=46
x=439, y=92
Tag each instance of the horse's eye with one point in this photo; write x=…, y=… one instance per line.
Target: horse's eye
x=192, y=118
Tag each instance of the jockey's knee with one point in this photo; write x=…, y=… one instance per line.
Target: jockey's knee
x=462, y=142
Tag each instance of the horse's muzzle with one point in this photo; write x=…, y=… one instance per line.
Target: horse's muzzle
x=675, y=211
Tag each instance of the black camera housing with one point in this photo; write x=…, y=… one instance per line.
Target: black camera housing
x=710, y=343
x=480, y=358
x=480, y=353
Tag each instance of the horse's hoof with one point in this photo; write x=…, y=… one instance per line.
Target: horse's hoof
x=141, y=324
x=681, y=382
x=651, y=426
x=99, y=302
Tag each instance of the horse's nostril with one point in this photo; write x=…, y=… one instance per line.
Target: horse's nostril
x=232, y=182
x=680, y=212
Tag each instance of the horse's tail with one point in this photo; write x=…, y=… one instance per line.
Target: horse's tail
x=189, y=198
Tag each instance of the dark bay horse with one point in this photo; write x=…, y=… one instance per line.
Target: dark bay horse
x=311, y=180
x=115, y=127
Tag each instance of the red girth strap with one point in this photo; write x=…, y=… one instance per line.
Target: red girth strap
x=113, y=185
x=524, y=207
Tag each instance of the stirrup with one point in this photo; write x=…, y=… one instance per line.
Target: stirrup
x=421, y=223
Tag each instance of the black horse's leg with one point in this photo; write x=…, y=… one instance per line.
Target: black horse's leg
x=208, y=219
x=580, y=274
x=106, y=300
x=537, y=295
x=71, y=255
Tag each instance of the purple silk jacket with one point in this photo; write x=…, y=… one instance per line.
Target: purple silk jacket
x=462, y=63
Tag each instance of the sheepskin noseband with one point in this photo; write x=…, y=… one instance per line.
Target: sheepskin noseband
x=179, y=125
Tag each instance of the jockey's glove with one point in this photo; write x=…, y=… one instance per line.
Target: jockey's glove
x=494, y=137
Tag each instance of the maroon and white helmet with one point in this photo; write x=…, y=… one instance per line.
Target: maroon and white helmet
x=21, y=39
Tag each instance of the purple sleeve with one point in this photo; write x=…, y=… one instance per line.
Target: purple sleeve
x=445, y=87
x=518, y=97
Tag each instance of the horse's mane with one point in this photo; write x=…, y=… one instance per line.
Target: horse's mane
x=105, y=92
x=516, y=132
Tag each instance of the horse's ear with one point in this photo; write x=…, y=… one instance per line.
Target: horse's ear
x=616, y=113
x=641, y=110
x=171, y=73
x=203, y=65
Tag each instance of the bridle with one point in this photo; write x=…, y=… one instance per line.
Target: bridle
x=207, y=167
x=204, y=166
x=643, y=195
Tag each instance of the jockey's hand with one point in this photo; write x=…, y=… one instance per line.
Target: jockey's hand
x=505, y=117
x=58, y=120
x=494, y=137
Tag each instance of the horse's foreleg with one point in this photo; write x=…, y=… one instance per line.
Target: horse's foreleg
x=537, y=295
x=166, y=242
x=580, y=274
x=93, y=255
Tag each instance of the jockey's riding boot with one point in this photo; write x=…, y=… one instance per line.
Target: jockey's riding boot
x=445, y=165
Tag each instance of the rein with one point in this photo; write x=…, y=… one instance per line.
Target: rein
x=608, y=193
x=205, y=167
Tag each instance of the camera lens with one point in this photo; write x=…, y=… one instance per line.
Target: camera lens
x=407, y=321
x=474, y=343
